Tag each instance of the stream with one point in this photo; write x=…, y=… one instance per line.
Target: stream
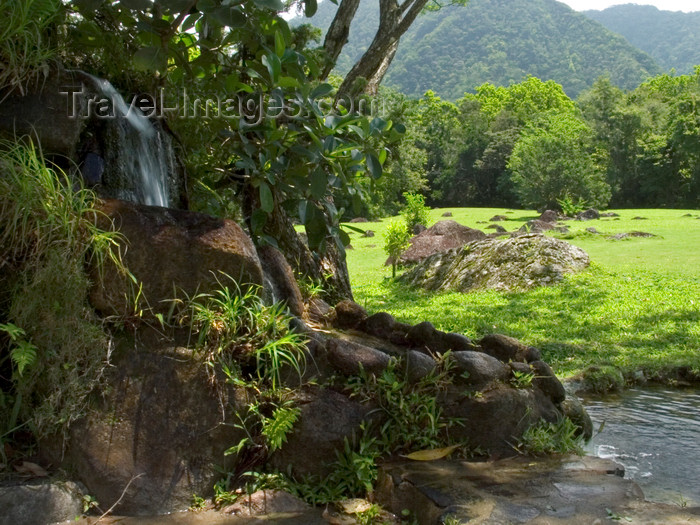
x=655, y=433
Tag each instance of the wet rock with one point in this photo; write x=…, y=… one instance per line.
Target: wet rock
x=517, y=263
x=267, y=501
x=497, y=418
x=169, y=250
x=348, y=357
x=380, y=325
x=418, y=365
x=547, y=381
x=281, y=278
x=40, y=503
x=441, y=237
x=480, y=368
x=349, y=314
x=574, y=410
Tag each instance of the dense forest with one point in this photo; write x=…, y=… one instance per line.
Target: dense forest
x=455, y=49
x=671, y=38
x=531, y=145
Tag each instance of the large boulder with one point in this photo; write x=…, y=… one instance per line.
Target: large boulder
x=280, y=283
x=441, y=237
x=159, y=426
x=171, y=252
x=40, y=503
x=521, y=262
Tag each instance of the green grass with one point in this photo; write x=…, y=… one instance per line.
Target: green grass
x=635, y=308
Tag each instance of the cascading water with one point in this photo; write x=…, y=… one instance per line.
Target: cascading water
x=141, y=154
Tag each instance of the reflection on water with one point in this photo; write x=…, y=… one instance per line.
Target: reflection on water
x=655, y=434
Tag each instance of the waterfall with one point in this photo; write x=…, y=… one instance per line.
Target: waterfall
x=140, y=154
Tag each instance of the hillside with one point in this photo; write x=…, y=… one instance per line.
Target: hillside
x=498, y=41
x=672, y=38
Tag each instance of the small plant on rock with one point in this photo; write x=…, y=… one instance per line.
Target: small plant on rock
x=551, y=438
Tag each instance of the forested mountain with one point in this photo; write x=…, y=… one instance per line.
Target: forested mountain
x=672, y=38
x=456, y=49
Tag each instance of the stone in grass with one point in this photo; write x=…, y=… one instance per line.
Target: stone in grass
x=457, y=342
x=479, y=368
x=349, y=358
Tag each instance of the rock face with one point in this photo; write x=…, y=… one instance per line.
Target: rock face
x=45, y=114
x=161, y=421
x=441, y=237
x=521, y=262
x=171, y=251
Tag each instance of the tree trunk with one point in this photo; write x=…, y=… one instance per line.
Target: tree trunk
x=394, y=21
x=337, y=35
x=330, y=269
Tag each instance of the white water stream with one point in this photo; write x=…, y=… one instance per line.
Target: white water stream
x=143, y=156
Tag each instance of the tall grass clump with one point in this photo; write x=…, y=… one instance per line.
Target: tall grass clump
x=53, y=348
x=235, y=330
x=26, y=47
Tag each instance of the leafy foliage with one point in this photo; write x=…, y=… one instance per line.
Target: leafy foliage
x=415, y=211
x=396, y=242
x=59, y=349
x=551, y=438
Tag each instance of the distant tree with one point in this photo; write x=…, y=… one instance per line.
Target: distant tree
x=552, y=160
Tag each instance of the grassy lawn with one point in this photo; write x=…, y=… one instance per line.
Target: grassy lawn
x=636, y=307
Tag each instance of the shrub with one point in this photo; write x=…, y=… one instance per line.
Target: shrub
x=396, y=242
x=415, y=211
x=59, y=349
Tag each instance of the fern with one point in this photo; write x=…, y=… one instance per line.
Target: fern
x=23, y=354
x=276, y=428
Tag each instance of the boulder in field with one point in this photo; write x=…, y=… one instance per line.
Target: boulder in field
x=440, y=237
x=517, y=263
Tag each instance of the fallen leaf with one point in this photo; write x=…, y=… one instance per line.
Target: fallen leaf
x=31, y=469
x=432, y=454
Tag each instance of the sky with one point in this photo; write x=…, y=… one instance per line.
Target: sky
x=664, y=5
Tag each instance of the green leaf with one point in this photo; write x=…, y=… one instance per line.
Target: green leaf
x=267, y=202
x=321, y=91
x=344, y=237
x=258, y=220
x=374, y=166
x=176, y=5
x=150, y=59
x=310, y=7
x=274, y=66
x=206, y=6
x=303, y=206
x=190, y=21
x=229, y=16
x=319, y=182
x=139, y=5
x=280, y=44
x=275, y=5
x=88, y=6
x=288, y=82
